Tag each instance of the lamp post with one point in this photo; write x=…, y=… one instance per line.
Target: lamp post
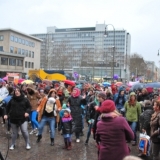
x=105, y=35
x=101, y=69
x=47, y=48
x=158, y=52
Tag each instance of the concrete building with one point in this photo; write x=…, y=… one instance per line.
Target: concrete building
x=88, y=41
x=151, y=74
x=19, y=52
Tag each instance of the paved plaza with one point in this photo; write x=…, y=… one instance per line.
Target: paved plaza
x=43, y=150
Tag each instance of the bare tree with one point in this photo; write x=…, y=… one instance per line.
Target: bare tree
x=137, y=64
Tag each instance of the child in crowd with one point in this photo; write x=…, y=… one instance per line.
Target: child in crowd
x=66, y=125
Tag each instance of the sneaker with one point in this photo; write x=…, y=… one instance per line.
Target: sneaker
x=28, y=147
x=32, y=132
x=36, y=134
x=77, y=140
x=12, y=147
x=134, y=143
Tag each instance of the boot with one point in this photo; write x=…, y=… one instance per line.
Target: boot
x=86, y=142
x=69, y=146
x=66, y=145
x=52, y=141
x=39, y=138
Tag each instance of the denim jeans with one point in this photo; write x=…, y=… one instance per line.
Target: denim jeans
x=33, y=119
x=133, y=126
x=51, y=121
x=89, y=131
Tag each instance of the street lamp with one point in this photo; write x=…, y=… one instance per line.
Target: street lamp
x=47, y=48
x=158, y=52
x=105, y=35
x=101, y=69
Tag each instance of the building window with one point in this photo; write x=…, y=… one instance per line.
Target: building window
x=1, y=38
x=1, y=48
x=12, y=61
x=29, y=53
x=15, y=50
x=23, y=42
x=12, y=38
x=23, y=52
x=19, y=50
x=32, y=54
x=26, y=53
x=4, y=61
x=26, y=43
x=15, y=39
x=30, y=44
x=19, y=62
x=32, y=65
x=33, y=44
x=20, y=40
x=11, y=49
x=29, y=64
x=25, y=64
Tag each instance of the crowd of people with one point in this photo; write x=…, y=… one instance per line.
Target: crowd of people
x=113, y=114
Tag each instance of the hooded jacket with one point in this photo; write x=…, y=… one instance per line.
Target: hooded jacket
x=120, y=100
x=132, y=111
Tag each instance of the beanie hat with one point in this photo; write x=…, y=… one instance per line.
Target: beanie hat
x=76, y=92
x=102, y=95
x=64, y=106
x=67, y=110
x=107, y=106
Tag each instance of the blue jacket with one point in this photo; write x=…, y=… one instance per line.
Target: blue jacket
x=120, y=100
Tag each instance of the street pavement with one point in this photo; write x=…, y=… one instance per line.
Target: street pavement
x=43, y=150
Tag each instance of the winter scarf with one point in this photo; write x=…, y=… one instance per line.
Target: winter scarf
x=77, y=93
x=66, y=119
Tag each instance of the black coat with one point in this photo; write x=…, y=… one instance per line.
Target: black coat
x=142, y=97
x=145, y=118
x=77, y=111
x=16, y=109
x=67, y=127
x=91, y=111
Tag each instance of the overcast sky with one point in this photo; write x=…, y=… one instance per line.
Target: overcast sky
x=141, y=18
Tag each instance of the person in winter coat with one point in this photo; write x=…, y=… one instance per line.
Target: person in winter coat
x=133, y=111
x=75, y=102
x=5, y=103
x=155, y=131
x=112, y=133
x=3, y=90
x=120, y=99
x=90, y=115
x=18, y=110
x=145, y=117
x=143, y=95
x=66, y=125
x=47, y=112
x=101, y=98
x=33, y=97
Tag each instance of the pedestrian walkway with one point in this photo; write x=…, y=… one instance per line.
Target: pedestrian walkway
x=43, y=150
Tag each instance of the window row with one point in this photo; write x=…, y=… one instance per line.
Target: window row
x=22, y=52
x=1, y=37
x=29, y=64
x=22, y=41
x=11, y=61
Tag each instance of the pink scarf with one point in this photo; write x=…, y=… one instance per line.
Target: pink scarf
x=76, y=92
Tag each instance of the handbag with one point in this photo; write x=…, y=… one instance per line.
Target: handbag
x=144, y=144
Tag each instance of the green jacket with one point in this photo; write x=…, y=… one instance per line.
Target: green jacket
x=132, y=112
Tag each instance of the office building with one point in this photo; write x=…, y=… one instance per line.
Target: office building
x=86, y=50
x=19, y=52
